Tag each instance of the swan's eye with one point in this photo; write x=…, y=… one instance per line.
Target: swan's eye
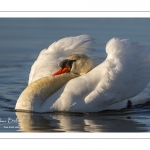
x=67, y=62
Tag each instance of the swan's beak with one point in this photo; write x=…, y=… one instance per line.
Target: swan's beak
x=62, y=70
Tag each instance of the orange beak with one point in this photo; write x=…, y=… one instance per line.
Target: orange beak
x=62, y=70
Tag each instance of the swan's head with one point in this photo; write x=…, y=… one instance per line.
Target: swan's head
x=77, y=64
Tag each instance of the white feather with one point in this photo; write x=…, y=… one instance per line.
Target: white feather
x=48, y=59
x=123, y=75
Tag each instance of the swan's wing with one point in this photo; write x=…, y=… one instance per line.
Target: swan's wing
x=48, y=59
x=124, y=74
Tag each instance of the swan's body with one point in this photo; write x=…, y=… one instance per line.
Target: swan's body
x=123, y=75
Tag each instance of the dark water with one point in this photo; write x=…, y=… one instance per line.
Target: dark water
x=21, y=40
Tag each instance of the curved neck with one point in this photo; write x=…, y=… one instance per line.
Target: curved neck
x=37, y=92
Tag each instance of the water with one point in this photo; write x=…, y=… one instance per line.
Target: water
x=21, y=40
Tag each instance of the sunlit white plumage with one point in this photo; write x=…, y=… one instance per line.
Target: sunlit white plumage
x=48, y=59
x=123, y=75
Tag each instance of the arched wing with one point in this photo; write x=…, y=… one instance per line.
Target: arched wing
x=48, y=59
x=124, y=74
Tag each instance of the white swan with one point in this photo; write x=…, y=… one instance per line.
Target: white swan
x=123, y=75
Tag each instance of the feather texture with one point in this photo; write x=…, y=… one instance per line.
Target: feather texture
x=48, y=59
x=122, y=75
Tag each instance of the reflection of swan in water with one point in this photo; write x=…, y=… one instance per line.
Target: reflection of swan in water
x=124, y=74
x=33, y=122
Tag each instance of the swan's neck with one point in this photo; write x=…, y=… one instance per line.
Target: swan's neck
x=37, y=92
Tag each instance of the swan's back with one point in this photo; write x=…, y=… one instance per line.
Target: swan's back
x=124, y=74
x=129, y=63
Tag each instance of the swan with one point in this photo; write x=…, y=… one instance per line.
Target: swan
x=66, y=77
